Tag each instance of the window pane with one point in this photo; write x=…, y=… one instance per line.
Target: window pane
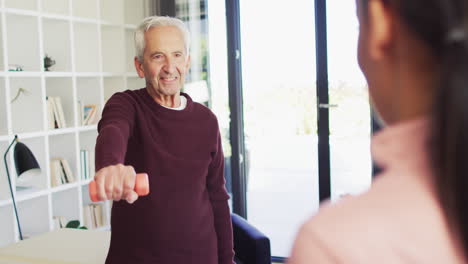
x=279, y=95
x=207, y=82
x=350, y=116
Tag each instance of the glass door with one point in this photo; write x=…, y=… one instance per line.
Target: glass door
x=350, y=124
x=280, y=124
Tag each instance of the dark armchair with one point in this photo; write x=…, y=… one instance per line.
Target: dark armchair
x=250, y=245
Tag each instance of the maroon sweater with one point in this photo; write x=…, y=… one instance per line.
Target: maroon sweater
x=185, y=218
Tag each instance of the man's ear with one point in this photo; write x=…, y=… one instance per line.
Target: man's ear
x=188, y=63
x=139, y=67
x=381, y=26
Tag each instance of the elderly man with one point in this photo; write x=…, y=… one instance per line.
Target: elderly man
x=161, y=131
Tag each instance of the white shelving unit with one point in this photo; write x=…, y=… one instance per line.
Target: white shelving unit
x=91, y=42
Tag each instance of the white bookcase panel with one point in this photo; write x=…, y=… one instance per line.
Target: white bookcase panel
x=112, y=11
x=23, y=49
x=85, y=8
x=7, y=221
x=134, y=11
x=113, y=85
x=112, y=43
x=135, y=83
x=61, y=7
x=2, y=57
x=130, y=52
x=86, y=40
x=34, y=215
x=21, y=4
x=91, y=42
x=4, y=187
x=66, y=204
x=57, y=43
x=3, y=109
x=63, y=87
x=27, y=110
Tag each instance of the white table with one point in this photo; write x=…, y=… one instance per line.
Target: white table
x=63, y=246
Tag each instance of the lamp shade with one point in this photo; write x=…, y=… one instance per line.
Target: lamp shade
x=25, y=162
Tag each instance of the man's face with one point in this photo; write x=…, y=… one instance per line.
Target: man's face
x=165, y=61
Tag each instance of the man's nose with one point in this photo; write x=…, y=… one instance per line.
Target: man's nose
x=169, y=66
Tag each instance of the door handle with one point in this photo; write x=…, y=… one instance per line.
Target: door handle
x=327, y=106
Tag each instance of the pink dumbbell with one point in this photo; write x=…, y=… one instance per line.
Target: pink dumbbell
x=141, y=187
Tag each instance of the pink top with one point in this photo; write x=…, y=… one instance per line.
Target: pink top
x=399, y=220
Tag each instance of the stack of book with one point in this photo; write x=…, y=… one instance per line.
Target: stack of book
x=59, y=222
x=60, y=172
x=93, y=215
x=87, y=164
x=55, y=115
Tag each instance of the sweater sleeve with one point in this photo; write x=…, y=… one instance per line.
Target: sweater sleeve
x=219, y=197
x=114, y=129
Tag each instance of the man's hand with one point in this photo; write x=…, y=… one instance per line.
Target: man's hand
x=116, y=182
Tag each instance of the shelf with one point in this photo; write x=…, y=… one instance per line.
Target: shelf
x=5, y=202
x=30, y=194
x=23, y=73
x=63, y=18
x=23, y=49
x=57, y=74
x=87, y=128
x=65, y=187
x=91, y=42
x=57, y=43
x=56, y=7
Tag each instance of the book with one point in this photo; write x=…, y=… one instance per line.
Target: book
x=59, y=222
x=67, y=169
x=56, y=177
x=50, y=113
x=84, y=164
x=60, y=172
x=56, y=116
x=61, y=115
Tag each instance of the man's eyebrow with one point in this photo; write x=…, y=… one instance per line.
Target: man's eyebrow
x=155, y=53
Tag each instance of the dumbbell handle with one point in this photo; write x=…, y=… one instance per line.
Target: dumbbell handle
x=141, y=187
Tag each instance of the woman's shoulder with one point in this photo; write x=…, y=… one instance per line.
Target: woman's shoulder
x=397, y=217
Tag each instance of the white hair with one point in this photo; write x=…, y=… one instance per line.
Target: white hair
x=157, y=21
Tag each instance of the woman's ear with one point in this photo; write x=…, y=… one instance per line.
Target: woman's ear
x=380, y=31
